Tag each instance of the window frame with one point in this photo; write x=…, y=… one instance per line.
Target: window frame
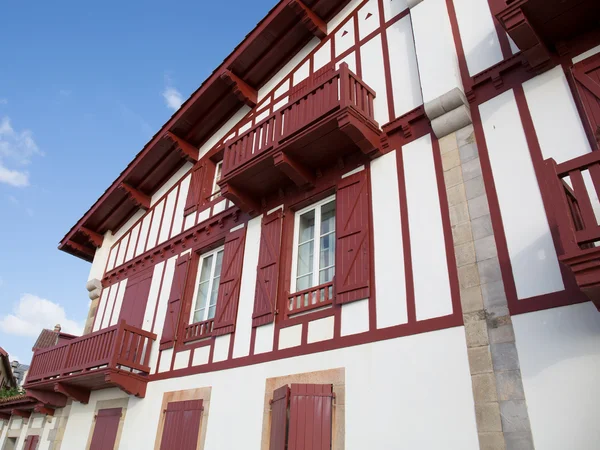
x=215, y=192
x=317, y=241
x=213, y=252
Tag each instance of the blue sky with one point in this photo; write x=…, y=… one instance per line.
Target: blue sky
x=83, y=86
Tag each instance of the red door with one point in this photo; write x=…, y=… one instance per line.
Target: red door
x=105, y=431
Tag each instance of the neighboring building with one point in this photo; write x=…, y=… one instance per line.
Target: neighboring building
x=7, y=378
x=19, y=371
x=373, y=226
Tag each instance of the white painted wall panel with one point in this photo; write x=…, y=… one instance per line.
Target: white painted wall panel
x=221, y=347
x=373, y=73
x=290, y=336
x=118, y=302
x=403, y=67
x=112, y=258
x=171, y=182
x=344, y=38
x=201, y=355
x=101, y=257
x=153, y=296
x=122, y=250
x=390, y=282
x=530, y=246
x=165, y=227
x=560, y=377
x=349, y=59
x=101, y=308
x=190, y=221
x=300, y=74
x=141, y=246
x=391, y=8
x=112, y=295
x=182, y=359
x=368, y=19
x=320, y=330
x=133, y=238
x=355, y=317
x=181, y=199
x=162, y=308
x=478, y=34
x=155, y=227
x=427, y=244
x=166, y=358
x=322, y=56
x=264, y=339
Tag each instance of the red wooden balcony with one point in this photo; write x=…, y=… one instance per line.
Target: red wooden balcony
x=331, y=118
x=117, y=356
x=574, y=187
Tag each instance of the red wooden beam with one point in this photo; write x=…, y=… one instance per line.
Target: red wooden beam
x=309, y=19
x=80, y=248
x=139, y=198
x=48, y=398
x=127, y=383
x=95, y=239
x=42, y=409
x=239, y=198
x=188, y=151
x=296, y=171
x=4, y=416
x=240, y=88
x=74, y=393
x=21, y=413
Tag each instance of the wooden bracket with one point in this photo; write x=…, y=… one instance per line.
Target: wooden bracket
x=74, y=393
x=309, y=19
x=127, y=383
x=80, y=248
x=188, y=151
x=43, y=409
x=366, y=138
x=4, y=416
x=295, y=171
x=139, y=198
x=21, y=413
x=240, y=88
x=240, y=199
x=95, y=239
x=48, y=398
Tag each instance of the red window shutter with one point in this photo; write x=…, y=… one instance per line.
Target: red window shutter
x=229, y=287
x=135, y=298
x=182, y=425
x=279, y=408
x=175, y=301
x=31, y=442
x=105, y=431
x=587, y=78
x=267, y=273
x=352, y=255
x=195, y=190
x=310, y=417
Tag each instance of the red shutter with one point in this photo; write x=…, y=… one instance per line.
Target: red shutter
x=182, y=425
x=105, y=431
x=196, y=187
x=279, y=407
x=352, y=255
x=310, y=417
x=175, y=301
x=267, y=272
x=135, y=298
x=31, y=442
x=587, y=77
x=229, y=287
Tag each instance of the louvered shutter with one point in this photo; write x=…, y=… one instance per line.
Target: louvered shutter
x=267, y=272
x=181, y=425
x=31, y=442
x=279, y=410
x=310, y=417
x=135, y=299
x=352, y=255
x=196, y=187
x=587, y=78
x=229, y=287
x=105, y=431
x=175, y=301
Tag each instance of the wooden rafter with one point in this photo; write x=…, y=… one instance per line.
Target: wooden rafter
x=139, y=198
x=80, y=248
x=48, y=398
x=21, y=413
x=295, y=171
x=187, y=150
x=95, y=239
x=309, y=19
x=240, y=88
x=74, y=393
x=240, y=199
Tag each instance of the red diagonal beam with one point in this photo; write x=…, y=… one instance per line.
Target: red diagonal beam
x=189, y=152
x=139, y=198
x=309, y=19
x=240, y=88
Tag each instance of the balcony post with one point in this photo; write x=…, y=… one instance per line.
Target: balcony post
x=116, y=350
x=63, y=364
x=344, y=85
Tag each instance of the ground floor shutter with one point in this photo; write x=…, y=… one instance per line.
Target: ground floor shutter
x=310, y=417
x=175, y=301
x=105, y=430
x=279, y=415
x=31, y=442
x=181, y=425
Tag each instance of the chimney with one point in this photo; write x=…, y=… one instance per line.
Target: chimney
x=57, y=328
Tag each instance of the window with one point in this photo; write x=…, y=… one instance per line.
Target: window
x=216, y=190
x=207, y=287
x=313, y=260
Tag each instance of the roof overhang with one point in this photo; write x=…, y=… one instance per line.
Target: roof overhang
x=289, y=26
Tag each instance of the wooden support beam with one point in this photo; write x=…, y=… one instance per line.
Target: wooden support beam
x=4, y=416
x=187, y=150
x=309, y=19
x=80, y=248
x=75, y=393
x=240, y=88
x=48, y=398
x=240, y=199
x=139, y=198
x=43, y=409
x=21, y=413
x=365, y=136
x=294, y=170
x=95, y=239
x=127, y=383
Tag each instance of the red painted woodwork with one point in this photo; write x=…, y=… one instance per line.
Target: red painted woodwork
x=312, y=298
x=105, y=430
x=181, y=425
x=229, y=287
x=310, y=417
x=175, y=300
x=31, y=442
x=196, y=188
x=332, y=119
x=94, y=361
x=199, y=330
x=135, y=298
x=267, y=272
x=587, y=82
x=279, y=415
x=352, y=252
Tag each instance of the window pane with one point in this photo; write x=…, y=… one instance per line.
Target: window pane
x=214, y=292
x=307, y=227
x=199, y=315
x=305, y=258
x=328, y=218
x=304, y=282
x=218, y=264
x=326, y=275
x=211, y=312
x=202, y=296
x=206, y=266
x=327, y=251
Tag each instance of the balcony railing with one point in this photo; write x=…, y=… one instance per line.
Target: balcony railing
x=200, y=330
x=312, y=298
x=117, y=348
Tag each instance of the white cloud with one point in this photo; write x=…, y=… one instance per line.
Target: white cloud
x=15, y=178
x=173, y=98
x=33, y=313
x=17, y=147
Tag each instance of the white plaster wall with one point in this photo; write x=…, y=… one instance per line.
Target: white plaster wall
x=109, y=306
x=264, y=339
x=391, y=8
x=368, y=19
x=320, y=58
x=530, y=246
x=345, y=37
x=373, y=73
x=171, y=182
x=355, y=317
x=155, y=226
x=436, y=53
x=118, y=302
x=165, y=227
x=101, y=308
x=101, y=257
x=427, y=244
x=559, y=352
x=391, y=402
x=388, y=247
x=153, y=296
x=141, y=246
x=478, y=34
x=183, y=191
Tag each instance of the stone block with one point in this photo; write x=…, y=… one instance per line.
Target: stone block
x=494, y=298
x=484, y=387
x=502, y=334
x=461, y=234
x=505, y=357
x=450, y=160
x=448, y=143
x=471, y=167
x=465, y=136
x=471, y=299
x=482, y=227
x=453, y=177
x=459, y=214
x=489, y=270
x=465, y=254
x=485, y=248
x=521, y=440
x=476, y=333
x=514, y=416
x=478, y=207
x=491, y=441
x=510, y=385
x=480, y=360
x=451, y=121
x=456, y=195
x=487, y=416
x=474, y=188
x=468, y=276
